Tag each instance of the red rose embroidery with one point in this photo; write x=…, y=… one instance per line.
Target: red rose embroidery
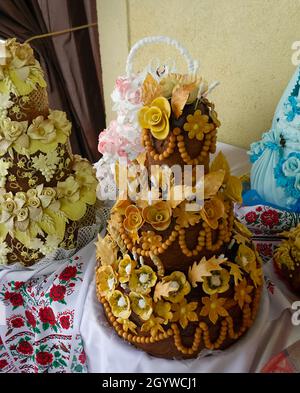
x=3, y=364
x=18, y=284
x=57, y=292
x=30, y=318
x=47, y=315
x=270, y=218
x=68, y=273
x=259, y=209
x=44, y=358
x=25, y=348
x=16, y=299
x=17, y=322
x=82, y=357
x=7, y=295
x=65, y=321
x=251, y=217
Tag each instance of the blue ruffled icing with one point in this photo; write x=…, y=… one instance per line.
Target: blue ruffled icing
x=292, y=108
x=274, y=180
x=288, y=182
x=269, y=141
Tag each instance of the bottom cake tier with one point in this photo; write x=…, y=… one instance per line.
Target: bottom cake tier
x=180, y=314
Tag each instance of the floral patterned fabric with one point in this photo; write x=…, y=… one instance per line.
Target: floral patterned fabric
x=266, y=223
x=40, y=316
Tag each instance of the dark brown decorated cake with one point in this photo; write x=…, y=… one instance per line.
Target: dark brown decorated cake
x=287, y=259
x=46, y=193
x=175, y=280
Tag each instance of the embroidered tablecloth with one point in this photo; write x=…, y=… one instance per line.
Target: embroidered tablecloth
x=40, y=315
x=50, y=321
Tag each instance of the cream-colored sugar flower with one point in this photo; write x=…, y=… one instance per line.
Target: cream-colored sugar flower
x=60, y=121
x=12, y=132
x=69, y=189
x=85, y=173
x=20, y=55
x=42, y=129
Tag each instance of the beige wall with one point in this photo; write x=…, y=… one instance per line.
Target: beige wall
x=245, y=44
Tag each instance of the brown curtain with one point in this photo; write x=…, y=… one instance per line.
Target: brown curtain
x=71, y=61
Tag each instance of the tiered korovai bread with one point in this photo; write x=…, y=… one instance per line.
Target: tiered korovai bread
x=46, y=193
x=174, y=281
x=287, y=258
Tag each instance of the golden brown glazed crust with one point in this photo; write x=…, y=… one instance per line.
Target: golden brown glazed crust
x=178, y=343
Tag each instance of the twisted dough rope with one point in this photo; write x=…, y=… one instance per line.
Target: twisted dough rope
x=191, y=64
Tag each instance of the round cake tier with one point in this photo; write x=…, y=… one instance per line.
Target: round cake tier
x=178, y=246
x=28, y=107
x=197, y=316
x=182, y=147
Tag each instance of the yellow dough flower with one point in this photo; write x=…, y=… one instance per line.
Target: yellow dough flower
x=142, y=280
x=141, y=305
x=156, y=117
x=106, y=280
x=127, y=325
x=245, y=257
x=120, y=305
x=213, y=308
x=184, y=312
x=158, y=215
x=212, y=211
x=163, y=309
x=218, y=282
x=153, y=325
x=133, y=219
x=197, y=125
x=121, y=205
x=126, y=267
x=178, y=286
x=242, y=291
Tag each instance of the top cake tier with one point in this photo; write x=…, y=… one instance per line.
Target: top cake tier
x=179, y=124
x=22, y=85
x=191, y=138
